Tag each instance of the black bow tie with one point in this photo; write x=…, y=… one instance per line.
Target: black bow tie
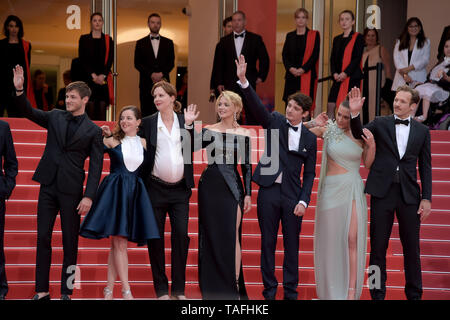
x=399, y=121
x=239, y=35
x=292, y=127
x=154, y=38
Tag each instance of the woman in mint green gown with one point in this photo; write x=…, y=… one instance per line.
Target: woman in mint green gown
x=340, y=232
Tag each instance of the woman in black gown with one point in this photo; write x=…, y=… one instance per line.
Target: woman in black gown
x=345, y=62
x=14, y=50
x=222, y=198
x=96, y=53
x=122, y=208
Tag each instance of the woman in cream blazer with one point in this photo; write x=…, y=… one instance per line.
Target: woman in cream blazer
x=414, y=71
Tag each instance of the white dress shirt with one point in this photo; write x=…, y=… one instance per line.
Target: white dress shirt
x=169, y=164
x=239, y=43
x=155, y=44
x=402, y=135
x=132, y=152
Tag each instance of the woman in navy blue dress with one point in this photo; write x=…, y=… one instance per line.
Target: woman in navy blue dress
x=122, y=208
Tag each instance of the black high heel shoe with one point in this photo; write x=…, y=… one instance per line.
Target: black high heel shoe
x=44, y=298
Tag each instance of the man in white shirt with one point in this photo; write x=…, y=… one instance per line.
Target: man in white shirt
x=401, y=143
x=154, y=58
x=169, y=178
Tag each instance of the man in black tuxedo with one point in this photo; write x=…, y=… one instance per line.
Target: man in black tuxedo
x=8, y=173
x=282, y=196
x=401, y=143
x=154, y=58
x=229, y=49
x=71, y=138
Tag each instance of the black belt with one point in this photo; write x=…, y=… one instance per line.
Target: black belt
x=167, y=184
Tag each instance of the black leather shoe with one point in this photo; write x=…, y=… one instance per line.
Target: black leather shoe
x=44, y=298
x=2, y=297
x=65, y=297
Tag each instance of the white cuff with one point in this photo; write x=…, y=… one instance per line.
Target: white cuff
x=243, y=86
x=354, y=116
x=303, y=203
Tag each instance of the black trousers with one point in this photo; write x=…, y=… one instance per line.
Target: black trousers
x=381, y=221
x=50, y=202
x=173, y=200
x=147, y=103
x=3, y=280
x=273, y=208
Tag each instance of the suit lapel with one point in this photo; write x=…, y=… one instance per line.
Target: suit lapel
x=150, y=47
x=154, y=130
x=63, y=129
x=391, y=129
x=245, y=44
x=302, y=143
x=233, y=46
x=412, y=135
x=81, y=131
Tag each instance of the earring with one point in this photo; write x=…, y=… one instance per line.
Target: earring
x=235, y=117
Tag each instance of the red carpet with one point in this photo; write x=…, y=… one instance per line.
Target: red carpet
x=20, y=237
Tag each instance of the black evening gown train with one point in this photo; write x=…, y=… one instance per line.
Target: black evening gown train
x=122, y=206
x=220, y=192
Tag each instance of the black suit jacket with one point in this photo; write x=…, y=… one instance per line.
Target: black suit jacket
x=64, y=162
x=253, y=50
x=289, y=162
x=387, y=159
x=86, y=54
x=8, y=170
x=146, y=63
x=149, y=131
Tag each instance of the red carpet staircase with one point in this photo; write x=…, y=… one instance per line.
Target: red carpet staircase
x=20, y=237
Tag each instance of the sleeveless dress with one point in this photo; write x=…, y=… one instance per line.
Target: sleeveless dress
x=220, y=192
x=333, y=215
x=122, y=206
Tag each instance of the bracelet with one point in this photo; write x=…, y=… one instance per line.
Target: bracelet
x=22, y=90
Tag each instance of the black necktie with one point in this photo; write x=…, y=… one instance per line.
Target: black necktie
x=239, y=35
x=399, y=121
x=293, y=128
x=154, y=38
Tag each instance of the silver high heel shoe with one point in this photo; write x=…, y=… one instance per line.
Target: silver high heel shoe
x=107, y=293
x=126, y=294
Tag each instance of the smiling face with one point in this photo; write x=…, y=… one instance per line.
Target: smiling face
x=346, y=21
x=129, y=123
x=96, y=23
x=74, y=103
x=295, y=113
x=225, y=108
x=414, y=28
x=162, y=99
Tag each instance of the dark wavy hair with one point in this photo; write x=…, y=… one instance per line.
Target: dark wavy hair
x=405, y=38
x=18, y=22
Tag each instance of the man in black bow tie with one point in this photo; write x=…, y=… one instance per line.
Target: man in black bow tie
x=154, y=58
x=71, y=138
x=401, y=143
x=230, y=47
